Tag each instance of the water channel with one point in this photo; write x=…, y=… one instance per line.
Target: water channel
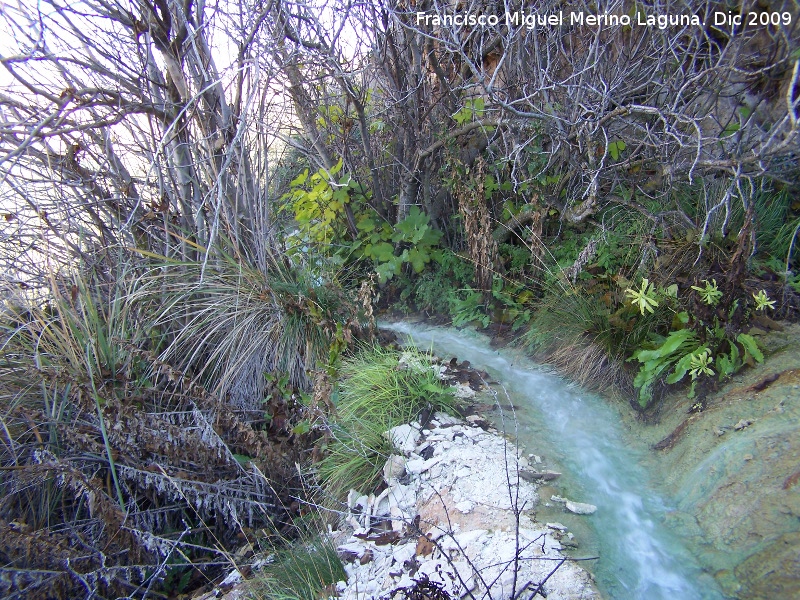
x=580, y=435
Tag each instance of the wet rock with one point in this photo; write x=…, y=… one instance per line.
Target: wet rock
x=539, y=475
x=580, y=508
x=477, y=421
x=742, y=424
x=774, y=571
x=464, y=391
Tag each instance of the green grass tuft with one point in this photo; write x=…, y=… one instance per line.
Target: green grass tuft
x=307, y=570
x=380, y=389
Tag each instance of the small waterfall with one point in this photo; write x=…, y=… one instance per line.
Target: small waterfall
x=641, y=557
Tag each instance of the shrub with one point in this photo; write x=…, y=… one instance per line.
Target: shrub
x=588, y=337
x=436, y=288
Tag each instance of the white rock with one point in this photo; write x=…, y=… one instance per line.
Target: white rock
x=420, y=466
x=404, y=438
x=232, y=578
x=462, y=390
x=446, y=419
x=405, y=581
x=394, y=468
x=382, y=504
x=466, y=476
x=580, y=508
x=464, y=471
x=415, y=466
x=470, y=537
x=403, y=553
x=441, y=448
x=356, y=547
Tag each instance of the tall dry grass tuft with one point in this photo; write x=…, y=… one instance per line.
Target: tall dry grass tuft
x=587, y=335
x=231, y=321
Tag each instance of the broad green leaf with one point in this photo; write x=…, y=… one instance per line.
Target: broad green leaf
x=300, y=179
x=418, y=259
x=242, y=459
x=365, y=224
x=381, y=252
x=730, y=129
x=750, y=347
x=386, y=271
x=672, y=343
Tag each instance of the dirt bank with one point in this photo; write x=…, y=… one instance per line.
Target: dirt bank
x=733, y=469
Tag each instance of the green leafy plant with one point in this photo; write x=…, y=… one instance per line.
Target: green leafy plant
x=763, y=301
x=683, y=349
x=468, y=307
x=472, y=108
x=700, y=362
x=512, y=302
x=710, y=294
x=317, y=201
x=615, y=149
x=644, y=298
x=436, y=288
x=656, y=361
x=414, y=236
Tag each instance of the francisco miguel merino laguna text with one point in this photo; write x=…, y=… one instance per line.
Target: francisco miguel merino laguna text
x=534, y=20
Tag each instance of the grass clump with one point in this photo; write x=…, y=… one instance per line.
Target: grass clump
x=380, y=389
x=307, y=570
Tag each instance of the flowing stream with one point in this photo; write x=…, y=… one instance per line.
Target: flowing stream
x=581, y=436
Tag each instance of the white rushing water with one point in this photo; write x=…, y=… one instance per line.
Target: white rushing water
x=641, y=557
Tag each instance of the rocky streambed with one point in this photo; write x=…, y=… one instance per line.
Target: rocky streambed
x=457, y=517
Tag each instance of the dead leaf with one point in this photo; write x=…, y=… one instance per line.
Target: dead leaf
x=425, y=545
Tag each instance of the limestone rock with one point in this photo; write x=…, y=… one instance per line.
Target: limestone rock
x=580, y=508
x=394, y=468
x=404, y=438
